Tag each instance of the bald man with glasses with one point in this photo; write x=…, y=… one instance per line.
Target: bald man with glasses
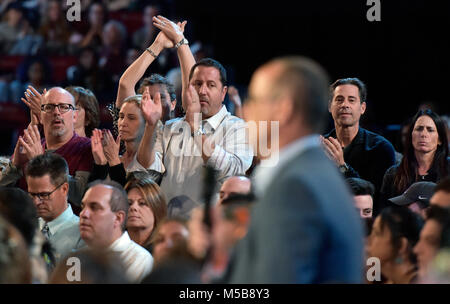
x=56, y=111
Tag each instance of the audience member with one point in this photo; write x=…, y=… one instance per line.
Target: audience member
x=11, y=26
x=18, y=208
x=314, y=235
x=147, y=209
x=57, y=116
x=147, y=33
x=174, y=263
x=394, y=234
x=15, y=267
x=96, y=267
x=230, y=224
x=93, y=34
x=234, y=185
x=112, y=52
x=54, y=29
x=357, y=151
x=88, y=110
x=441, y=196
x=88, y=74
x=416, y=197
x=170, y=239
x=430, y=238
x=33, y=71
x=47, y=178
x=184, y=146
x=233, y=95
x=363, y=192
x=102, y=226
x=134, y=113
x=424, y=159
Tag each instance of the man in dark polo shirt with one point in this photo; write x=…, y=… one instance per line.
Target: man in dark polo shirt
x=356, y=151
x=57, y=115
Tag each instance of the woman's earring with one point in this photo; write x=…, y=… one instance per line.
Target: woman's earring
x=399, y=260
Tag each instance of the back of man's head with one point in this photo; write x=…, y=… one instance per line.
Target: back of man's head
x=49, y=163
x=307, y=84
x=119, y=197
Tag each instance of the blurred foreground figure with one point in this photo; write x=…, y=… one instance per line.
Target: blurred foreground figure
x=95, y=267
x=298, y=232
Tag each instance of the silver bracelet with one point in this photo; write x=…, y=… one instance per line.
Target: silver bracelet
x=151, y=52
x=181, y=42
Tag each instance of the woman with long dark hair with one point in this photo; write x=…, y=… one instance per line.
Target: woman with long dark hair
x=425, y=157
x=394, y=234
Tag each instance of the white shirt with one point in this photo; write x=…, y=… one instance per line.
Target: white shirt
x=264, y=174
x=138, y=262
x=180, y=158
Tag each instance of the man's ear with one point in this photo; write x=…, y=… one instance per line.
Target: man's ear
x=65, y=188
x=120, y=218
x=224, y=92
x=363, y=107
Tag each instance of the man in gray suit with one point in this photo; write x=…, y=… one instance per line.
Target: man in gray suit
x=305, y=228
x=47, y=178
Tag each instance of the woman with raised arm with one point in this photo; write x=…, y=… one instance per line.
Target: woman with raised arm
x=134, y=114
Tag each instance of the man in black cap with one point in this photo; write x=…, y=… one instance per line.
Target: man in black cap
x=416, y=197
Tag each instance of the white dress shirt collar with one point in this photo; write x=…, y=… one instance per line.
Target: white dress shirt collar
x=269, y=170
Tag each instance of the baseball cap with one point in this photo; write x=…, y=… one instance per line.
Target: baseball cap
x=420, y=192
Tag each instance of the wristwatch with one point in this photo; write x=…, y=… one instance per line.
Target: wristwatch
x=343, y=168
x=181, y=42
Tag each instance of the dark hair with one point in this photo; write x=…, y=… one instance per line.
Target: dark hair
x=360, y=186
x=402, y=222
x=209, y=62
x=161, y=80
x=119, y=198
x=18, y=208
x=235, y=202
x=442, y=217
x=406, y=173
x=15, y=265
x=443, y=185
x=307, y=83
x=87, y=100
x=49, y=163
x=354, y=81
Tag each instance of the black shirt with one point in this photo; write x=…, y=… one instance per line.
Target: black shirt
x=369, y=155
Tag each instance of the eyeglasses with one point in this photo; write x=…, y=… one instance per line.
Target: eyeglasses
x=63, y=107
x=43, y=196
